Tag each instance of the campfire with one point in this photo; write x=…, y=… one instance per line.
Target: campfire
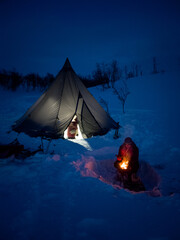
x=124, y=164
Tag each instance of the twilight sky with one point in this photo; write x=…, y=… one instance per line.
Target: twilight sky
x=37, y=36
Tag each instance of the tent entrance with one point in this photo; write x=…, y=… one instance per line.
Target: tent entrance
x=73, y=130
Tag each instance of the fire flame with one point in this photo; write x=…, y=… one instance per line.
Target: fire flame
x=124, y=164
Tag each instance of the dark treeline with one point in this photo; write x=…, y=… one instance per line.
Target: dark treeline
x=108, y=73
x=12, y=80
x=105, y=74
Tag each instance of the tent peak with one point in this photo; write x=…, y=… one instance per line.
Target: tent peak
x=67, y=64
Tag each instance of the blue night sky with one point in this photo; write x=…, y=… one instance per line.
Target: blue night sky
x=37, y=36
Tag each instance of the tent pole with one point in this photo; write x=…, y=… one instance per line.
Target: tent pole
x=42, y=144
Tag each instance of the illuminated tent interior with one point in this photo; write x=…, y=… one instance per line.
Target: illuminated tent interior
x=54, y=111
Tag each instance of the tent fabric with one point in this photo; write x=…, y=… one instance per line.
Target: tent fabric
x=52, y=113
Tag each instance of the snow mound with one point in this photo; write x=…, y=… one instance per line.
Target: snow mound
x=105, y=171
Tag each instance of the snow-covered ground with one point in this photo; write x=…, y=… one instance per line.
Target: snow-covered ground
x=48, y=196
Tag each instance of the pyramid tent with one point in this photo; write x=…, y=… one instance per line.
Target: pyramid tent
x=53, y=112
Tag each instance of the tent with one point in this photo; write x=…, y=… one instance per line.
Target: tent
x=53, y=112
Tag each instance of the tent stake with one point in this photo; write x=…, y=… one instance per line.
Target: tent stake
x=48, y=145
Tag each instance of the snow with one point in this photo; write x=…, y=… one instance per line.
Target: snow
x=48, y=197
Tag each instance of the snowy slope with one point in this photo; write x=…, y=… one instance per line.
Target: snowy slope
x=47, y=197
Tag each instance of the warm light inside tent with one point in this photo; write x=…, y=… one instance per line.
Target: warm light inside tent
x=78, y=139
x=79, y=136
